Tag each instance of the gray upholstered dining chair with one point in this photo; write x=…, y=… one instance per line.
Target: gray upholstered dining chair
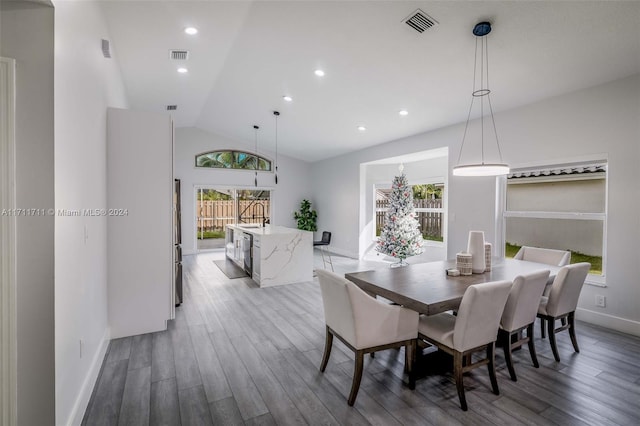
x=364, y=324
x=474, y=329
x=520, y=313
x=562, y=302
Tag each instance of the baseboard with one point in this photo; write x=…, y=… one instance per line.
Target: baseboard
x=609, y=321
x=79, y=408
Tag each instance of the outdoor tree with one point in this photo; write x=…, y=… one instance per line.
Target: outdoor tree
x=400, y=236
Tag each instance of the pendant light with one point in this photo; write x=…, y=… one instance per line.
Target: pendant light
x=482, y=94
x=276, y=114
x=255, y=129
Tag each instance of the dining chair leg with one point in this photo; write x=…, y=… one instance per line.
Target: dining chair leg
x=327, y=350
x=357, y=377
x=506, y=344
x=409, y=361
x=457, y=372
x=572, y=331
x=542, y=329
x=491, y=352
x=532, y=346
x=467, y=359
x=414, y=365
x=551, y=324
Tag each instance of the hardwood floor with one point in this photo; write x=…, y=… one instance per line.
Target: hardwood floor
x=240, y=355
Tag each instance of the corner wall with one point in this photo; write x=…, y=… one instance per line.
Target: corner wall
x=86, y=84
x=293, y=186
x=598, y=121
x=26, y=35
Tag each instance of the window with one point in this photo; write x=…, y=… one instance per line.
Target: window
x=428, y=203
x=561, y=208
x=233, y=160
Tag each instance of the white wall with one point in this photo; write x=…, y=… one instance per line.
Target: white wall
x=337, y=191
x=591, y=122
x=293, y=186
x=86, y=84
x=26, y=35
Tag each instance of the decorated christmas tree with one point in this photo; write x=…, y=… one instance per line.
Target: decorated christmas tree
x=400, y=236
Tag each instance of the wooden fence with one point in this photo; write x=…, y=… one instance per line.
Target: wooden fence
x=430, y=222
x=214, y=215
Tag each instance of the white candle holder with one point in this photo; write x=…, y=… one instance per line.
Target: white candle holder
x=464, y=263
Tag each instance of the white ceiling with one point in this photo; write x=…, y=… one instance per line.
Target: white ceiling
x=247, y=55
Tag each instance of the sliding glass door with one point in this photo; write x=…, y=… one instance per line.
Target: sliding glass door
x=217, y=207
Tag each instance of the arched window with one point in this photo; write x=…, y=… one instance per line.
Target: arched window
x=228, y=159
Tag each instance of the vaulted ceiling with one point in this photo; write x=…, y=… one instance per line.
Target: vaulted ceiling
x=248, y=55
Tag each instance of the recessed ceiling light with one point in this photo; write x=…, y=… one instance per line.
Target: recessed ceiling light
x=319, y=73
x=191, y=30
x=183, y=70
x=403, y=112
x=287, y=98
x=362, y=128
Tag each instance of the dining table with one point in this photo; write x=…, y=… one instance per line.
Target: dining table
x=427, y=289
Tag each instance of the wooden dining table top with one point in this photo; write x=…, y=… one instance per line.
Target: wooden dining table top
x=426, y=287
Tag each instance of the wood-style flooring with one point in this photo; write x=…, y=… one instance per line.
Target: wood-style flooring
x=240, y=355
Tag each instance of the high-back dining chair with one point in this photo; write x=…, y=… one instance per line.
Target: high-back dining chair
x=562, y=302
x=520, y=313
x=364, y=324
x=544, y=255
x=323, y=244
x=473, y=329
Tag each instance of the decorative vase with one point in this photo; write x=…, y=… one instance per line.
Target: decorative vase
x=475, y=246
x=487, y=256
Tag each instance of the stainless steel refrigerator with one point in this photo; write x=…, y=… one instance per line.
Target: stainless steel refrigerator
x=177, y=240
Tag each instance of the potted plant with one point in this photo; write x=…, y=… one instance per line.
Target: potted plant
x=306, y=217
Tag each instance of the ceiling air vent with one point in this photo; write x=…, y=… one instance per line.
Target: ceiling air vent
x=106, y=50
x=420, y=21
x=179, y=55
x=172, y=107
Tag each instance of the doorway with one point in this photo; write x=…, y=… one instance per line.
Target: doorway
x=217, y=207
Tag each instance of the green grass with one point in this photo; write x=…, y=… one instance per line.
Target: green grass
x=210, y=234
x=576, y=257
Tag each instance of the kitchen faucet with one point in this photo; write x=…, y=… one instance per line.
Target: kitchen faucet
x=264, y=218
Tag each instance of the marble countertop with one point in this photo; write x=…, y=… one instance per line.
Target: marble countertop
x=267, y=230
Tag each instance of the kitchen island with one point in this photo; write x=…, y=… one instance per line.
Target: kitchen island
x=271, y=255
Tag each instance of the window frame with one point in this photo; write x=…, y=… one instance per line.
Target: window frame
x=592, y=279
x=441, y=210
x=235, y=153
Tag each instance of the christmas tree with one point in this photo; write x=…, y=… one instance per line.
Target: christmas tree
x=400, y=236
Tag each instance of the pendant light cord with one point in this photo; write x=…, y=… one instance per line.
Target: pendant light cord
x=483, y=91
x=466, y=126
x=256, y=156
x=276, y=114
